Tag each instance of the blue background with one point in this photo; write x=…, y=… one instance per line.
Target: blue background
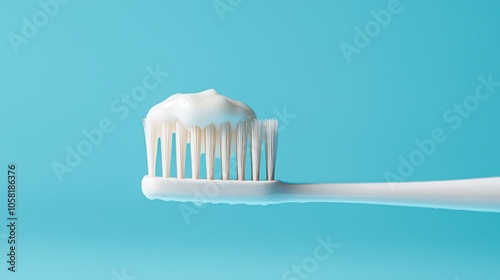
x=352, y=122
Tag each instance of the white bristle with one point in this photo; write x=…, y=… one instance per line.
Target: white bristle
x=196, y=136
x=225, y=148
x=166, y=147
x=241, y=148
x=151, y=145
x=180, y=148
x=271, y=130
x=210, y=138
x=256, y=147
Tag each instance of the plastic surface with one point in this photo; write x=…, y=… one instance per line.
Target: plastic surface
x=470, y=194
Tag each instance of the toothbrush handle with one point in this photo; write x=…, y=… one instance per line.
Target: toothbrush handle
x=470, y=194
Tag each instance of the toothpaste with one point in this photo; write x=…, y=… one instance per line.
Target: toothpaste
x=201, y=109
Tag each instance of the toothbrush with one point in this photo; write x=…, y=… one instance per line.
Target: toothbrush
x=218, y=126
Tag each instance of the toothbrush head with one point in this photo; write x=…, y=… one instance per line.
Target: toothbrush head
x=211, y=124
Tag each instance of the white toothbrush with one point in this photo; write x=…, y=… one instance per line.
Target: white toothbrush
x=225, y=128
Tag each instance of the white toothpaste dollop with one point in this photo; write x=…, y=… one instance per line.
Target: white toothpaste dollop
x=201, y=109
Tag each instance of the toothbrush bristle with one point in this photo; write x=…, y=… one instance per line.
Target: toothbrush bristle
x=256, y=148
x=151, y=145
x=180, y=148
x=241, y=149
x=166, y=147
x=210, y=139
x=195, y=151
x=225, y=148
x=210, y=143
x=271, y=131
